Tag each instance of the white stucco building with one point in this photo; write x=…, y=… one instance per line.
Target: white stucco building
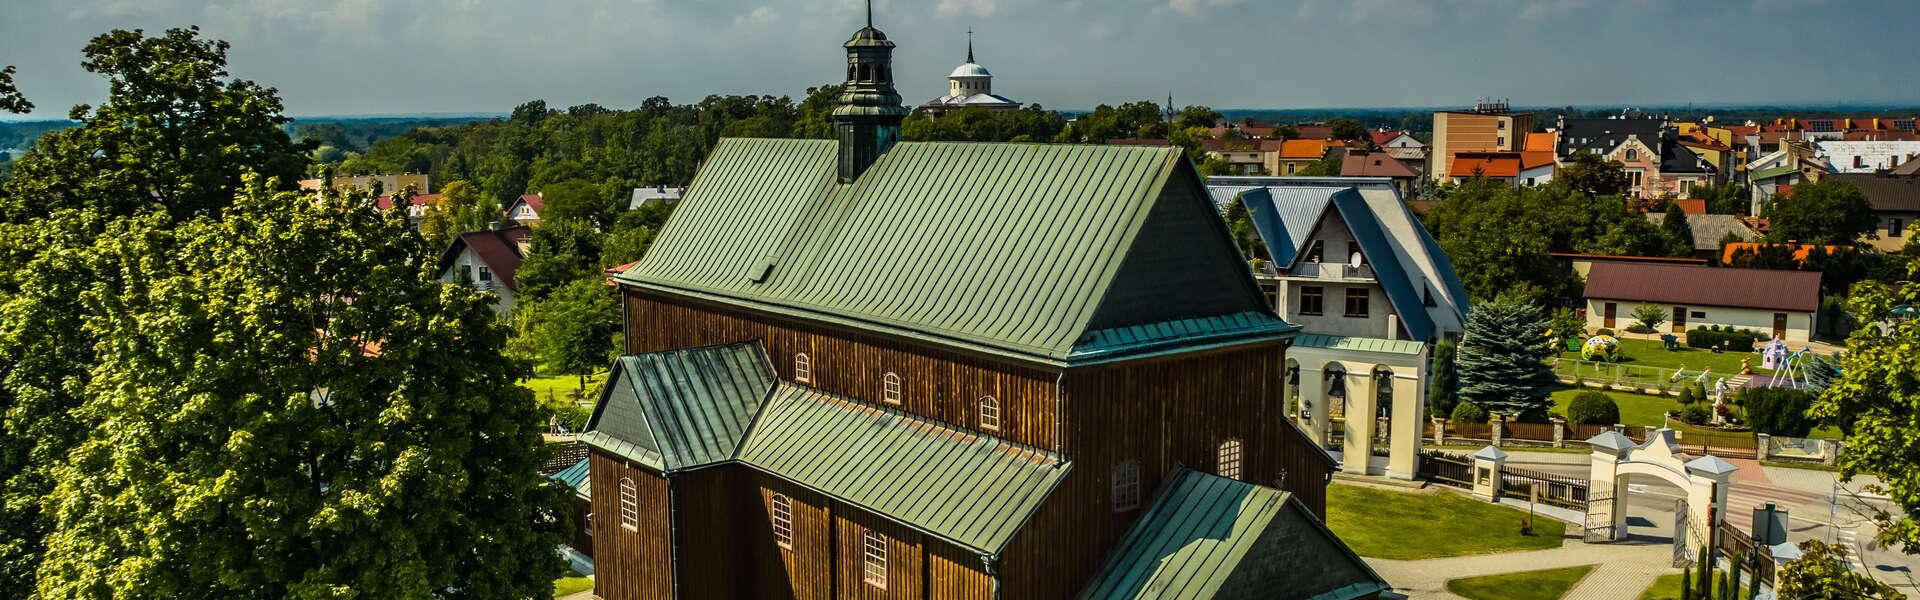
x=1775, y=303
x=968, y=86
x=488, y=260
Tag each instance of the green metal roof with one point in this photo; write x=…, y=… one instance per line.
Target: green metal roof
x=1772, y=172
x=1007, y=248
x=1360, y=344
x=575, y=476
x=681, y=409
x=973, y=490
x=1132, y=339
x=1213, y=537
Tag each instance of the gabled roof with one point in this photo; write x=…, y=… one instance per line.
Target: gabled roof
x=1889, y=193
x=1301, y=149
x=498, y=248
x=1018, y=250
x=537, y=201
x=1677, y=158
x=1602, y=135
x=1375, y=164
x=681, y=409
x=1542, y=141
x=386, y=202
x=1796, y=291
x=1212, y=537
x=974, y=490
x=1709, y=229
x=1484, y=164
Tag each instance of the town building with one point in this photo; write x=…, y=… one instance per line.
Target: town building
x=1401, y=145
x=389, y=184
x=836, y=388
x=1527, y=167
x=968, y=86
x=1490, y=126
x=1347, y=260
x=1243, y=157
x=1777, y=302
x=1866, y=156
x=526, y=209
x=1708, y=229
x=1294, y=155
x=487, y=260
x=1380, y=163
x=1656, y=162
x=416, y=205
x=1896, y=203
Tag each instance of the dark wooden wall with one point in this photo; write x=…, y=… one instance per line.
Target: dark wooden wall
x=708, y=531
x=1163, y=413
x=941, y=385
x=630, y=564
x=582, y=537
x=905, y=562
x=803, y=572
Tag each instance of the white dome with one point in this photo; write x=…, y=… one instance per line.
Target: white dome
x=969, y=70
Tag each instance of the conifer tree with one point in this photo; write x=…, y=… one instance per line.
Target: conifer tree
x=1678, y=233
x=1502, y=358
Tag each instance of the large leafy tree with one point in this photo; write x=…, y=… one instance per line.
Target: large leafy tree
x=1502, y=358
x=1826, y=212
x=559, y=252
x=10, y=98
x=173, y=138
x=1500, y=236
x=175, y=132
x=287, y=404
x=1822, y=573
x=572, y=329
x=1678, y=232
x=1593, y=176
x=1878, y=390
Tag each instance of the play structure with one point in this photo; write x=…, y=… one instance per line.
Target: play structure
x=1789, y=367
x=1601, y=348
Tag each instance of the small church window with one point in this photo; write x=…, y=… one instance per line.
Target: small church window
x=1229, y=459
x=802, y=368
x=874, y=547
x=1126, y=486
x=629, y=505
x=989, y=413
x=783, y=521
x=890, y=388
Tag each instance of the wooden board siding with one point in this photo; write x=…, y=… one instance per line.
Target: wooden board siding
x=936, y=384
x=1162, y=413
x=955, y=574
x=905, y=563
x=802, y=572
x=582, y=538
x=632, y=564
x=708, y=532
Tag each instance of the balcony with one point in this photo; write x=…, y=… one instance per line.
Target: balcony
x=1331, y=272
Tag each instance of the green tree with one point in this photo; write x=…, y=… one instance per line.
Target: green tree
x=1778, y=411
x=1196, y=116
x=1444, y=386
x=10, y=98
x=1678, y=232
x=174, y=132
x=286, y=405
x=1503, y=357
x=559, y=252
x=1822, y=573
x=1328, y=166
x=1649, y=317
x=1343, y=128
x=1878, y=391
x=1590, y=407
x=1829, y=212
x=572, y=329
x=1593, y=176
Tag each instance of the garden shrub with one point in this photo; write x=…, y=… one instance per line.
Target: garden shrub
x=1723, y=338
x=1604, y=331
x=1593, y=407
x=1638, y=328
x=1778, y=411
x=1468, y=412
x=1686, y=395
x=1695, y=414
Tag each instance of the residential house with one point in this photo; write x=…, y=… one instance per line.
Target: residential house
x=1294, y=155
x=1681, y=170
x=487, y=260
x=1866, y=157
x=1380, y=163
x=1244, y=157
x=1346, y=259
x=1775, y=173
x=1527, y=167
x=389, y=184
x=526, y=209
x=416, y=205
x=835, y=388
x=1488, y=127
x=1896, y=203
x=1782, y=303
x=1244, y=130
x=1709, y=230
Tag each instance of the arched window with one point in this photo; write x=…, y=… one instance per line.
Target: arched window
x=890, y=388
x=1229, y=459
x=874, y=546
x=802, y=368
x=629, y=505
x=1126, y=486
x=989, y=414
x=783, y=521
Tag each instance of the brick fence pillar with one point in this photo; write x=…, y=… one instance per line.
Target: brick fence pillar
x=1761, y=448
x=1495, y=424
x=1559, y=432
x=1439, y=431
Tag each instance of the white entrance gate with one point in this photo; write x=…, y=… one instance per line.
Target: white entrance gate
x=1705, y=480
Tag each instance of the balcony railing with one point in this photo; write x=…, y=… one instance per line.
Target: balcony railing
x=1332, y=271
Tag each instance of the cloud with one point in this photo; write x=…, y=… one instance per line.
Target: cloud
x=759, y=17
x=977, y=8
x=1193, y=7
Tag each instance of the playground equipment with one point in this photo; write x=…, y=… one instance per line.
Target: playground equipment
x=1681, y=373
x=1601, y=348
x=1789, y=368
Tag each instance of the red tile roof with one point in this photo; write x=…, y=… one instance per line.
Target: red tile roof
x=1766, y=289
x=1540, y=141
x=386, y=202
x=1531, y=159
x=1304, y=149
x=1488, y=164
x=1382, y=136
x=1375, y=164
x=498, y=248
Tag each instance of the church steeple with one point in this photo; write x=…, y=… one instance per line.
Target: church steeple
x=869, y=113
x=970, y=44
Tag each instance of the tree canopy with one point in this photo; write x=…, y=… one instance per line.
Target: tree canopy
x=1828, y=212
x=1878, y=390
x=1500, y=236
x=1502, y=358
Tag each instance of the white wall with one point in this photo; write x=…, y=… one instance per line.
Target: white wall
x=1334, y=236
x=1799, y=324
x=468, y=262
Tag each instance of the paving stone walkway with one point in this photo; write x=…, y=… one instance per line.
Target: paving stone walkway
x=1625, y=569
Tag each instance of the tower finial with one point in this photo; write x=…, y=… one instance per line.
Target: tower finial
x=969, y=44
x=869, y=14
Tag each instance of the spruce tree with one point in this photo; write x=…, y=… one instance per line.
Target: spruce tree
x=1678, y=233
x=1502, y=358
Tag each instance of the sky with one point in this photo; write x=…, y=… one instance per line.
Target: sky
x=351, y=57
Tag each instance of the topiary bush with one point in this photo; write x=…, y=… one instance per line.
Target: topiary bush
x=1604, y=331
x=1686, y=395
x=1593, y=408
x=1695, y=414
x=1468, y=412
x=1778, y=411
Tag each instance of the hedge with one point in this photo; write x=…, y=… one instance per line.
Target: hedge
x=1593, y=407
x=1724, y=338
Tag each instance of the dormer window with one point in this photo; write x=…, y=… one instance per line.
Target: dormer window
x=802, y=368
x=989, y=414
x=890, y=388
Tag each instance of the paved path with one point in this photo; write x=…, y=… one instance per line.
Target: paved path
x=1625, y=569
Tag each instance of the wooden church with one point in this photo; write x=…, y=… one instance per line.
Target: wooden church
x=865, y=368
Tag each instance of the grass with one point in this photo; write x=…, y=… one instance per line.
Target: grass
x=563, y=387
x=1549, y=584
x=1651, y=353
x=573, y=583
x=1667, y=587
x=1635, y=409
x=1408, y=526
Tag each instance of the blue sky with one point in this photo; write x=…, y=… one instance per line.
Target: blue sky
x=405, y=56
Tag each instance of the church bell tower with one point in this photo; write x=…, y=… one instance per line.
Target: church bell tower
x=867, y=119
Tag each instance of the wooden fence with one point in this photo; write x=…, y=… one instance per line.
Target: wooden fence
x=1447, y=469
x=1756, y=560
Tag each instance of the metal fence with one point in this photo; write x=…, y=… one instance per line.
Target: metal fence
x=1559, y=490
x=1447, y=469
x=1617, y=374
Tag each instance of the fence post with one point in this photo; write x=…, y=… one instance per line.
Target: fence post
x=1559, y=432
x=1761, y=449
x=1439, y=431
x=1488, y=465
x=1830, y=452
x=1494, y=420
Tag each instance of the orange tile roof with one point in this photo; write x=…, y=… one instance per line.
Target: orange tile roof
x=1692, y=207
x=1297, y=149
x=1530, y=159
x=1540, y=141
x=1799, y=250
x=1490, y=164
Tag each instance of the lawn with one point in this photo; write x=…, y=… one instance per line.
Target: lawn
x=1650, y=353
x=573, y=583
x=1667, y=587
x=1635, y=409
x=1407, y=526
x=563, y=387
x=1549, y=584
